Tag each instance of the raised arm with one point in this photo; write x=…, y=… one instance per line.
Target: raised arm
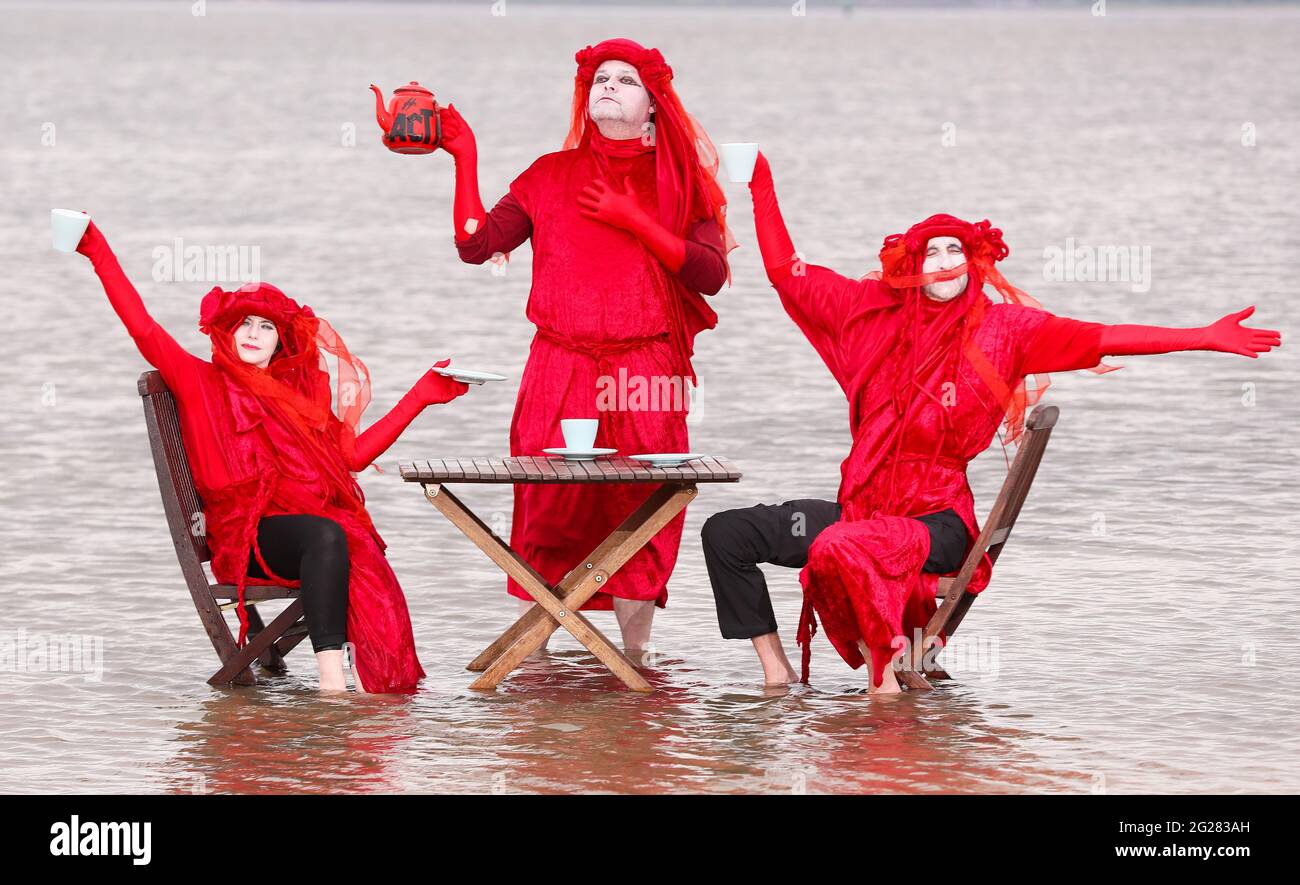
x=479, y=234
x=811, y=289
x=779, y=257
x=177, y=365
x=1062, y=344
x=458, y=140
x=432, y=388
x=836, y=313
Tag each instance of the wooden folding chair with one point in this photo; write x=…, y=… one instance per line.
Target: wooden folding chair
x=954, y=599
x=266, y=643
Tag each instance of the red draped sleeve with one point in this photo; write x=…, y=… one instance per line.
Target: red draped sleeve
x=505, y=229
x=1061, y=345
x=705, y=267
x=179, y=368
x=834, y=312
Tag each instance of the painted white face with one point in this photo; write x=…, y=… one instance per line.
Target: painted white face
x=944, y=253
x=255, y=340
x=618, y=102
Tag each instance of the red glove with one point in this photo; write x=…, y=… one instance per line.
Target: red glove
x=600, y=202
x=121, y=293
x=773, y=238
x=1226, y=335
x=432, y=388
x=458, y=140
x=435, y=388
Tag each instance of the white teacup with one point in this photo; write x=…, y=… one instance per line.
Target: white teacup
x=579, y=433
x=69, y=226
x=738, y=160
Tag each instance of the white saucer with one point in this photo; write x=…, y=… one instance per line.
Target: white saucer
x=468, y=376
x=579, y=454
x=667, y=459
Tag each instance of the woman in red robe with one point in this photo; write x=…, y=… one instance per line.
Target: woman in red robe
x=273, y=465
x=930, y=366
x=628, y=231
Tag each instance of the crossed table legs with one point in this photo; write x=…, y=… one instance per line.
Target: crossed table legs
x=557, y=606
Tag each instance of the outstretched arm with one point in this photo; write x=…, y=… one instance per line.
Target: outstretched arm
x=1062, y=344
x=176, y=364
x=1225, y=335
x=432, y=388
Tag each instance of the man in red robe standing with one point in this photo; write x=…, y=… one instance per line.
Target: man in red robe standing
x=930, y=367
x=628, y=231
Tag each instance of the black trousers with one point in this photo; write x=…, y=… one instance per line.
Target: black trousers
x=313, y=550
x=735, y=541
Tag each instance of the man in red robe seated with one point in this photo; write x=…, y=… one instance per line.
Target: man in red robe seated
x=930, y=367
x=628, y=231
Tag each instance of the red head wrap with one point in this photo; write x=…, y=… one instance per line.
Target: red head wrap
x=934, y=325
x=297, y=378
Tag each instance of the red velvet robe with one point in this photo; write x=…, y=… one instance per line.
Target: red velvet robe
x=601, y=304
x=247, y=464
x=864, y=573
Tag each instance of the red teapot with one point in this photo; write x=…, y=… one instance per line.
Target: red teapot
x=411, y=122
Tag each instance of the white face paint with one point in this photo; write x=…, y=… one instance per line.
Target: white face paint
x=618, y=102
x=944, y=253
x=255, y=340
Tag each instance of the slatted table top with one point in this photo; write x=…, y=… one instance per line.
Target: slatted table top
x=544, y=469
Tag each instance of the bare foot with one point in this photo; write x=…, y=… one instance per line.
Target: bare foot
x=330, y=664
x=771, y=656
x=885, y=688
x=888, y=680
x=789, y=677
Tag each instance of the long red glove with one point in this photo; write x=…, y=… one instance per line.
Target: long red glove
x=773, y=239
x=458, y=140
x=1225, y=335
x=620, y=209
x=121, y=293
x=432, y=388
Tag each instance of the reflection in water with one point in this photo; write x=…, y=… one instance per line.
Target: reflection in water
x=299, y=742
x=562, y=725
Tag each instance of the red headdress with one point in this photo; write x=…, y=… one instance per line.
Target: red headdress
x=297, y=378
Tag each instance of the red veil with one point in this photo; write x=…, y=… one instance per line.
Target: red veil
x=295, y=388
x=927, y=332
x=686, y=162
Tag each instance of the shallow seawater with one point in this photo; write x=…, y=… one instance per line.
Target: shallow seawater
x=1137, y=635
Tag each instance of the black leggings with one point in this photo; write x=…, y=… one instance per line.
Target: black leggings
x=735, y=541
x=313, y=550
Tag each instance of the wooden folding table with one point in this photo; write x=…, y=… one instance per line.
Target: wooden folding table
x=558, y=604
